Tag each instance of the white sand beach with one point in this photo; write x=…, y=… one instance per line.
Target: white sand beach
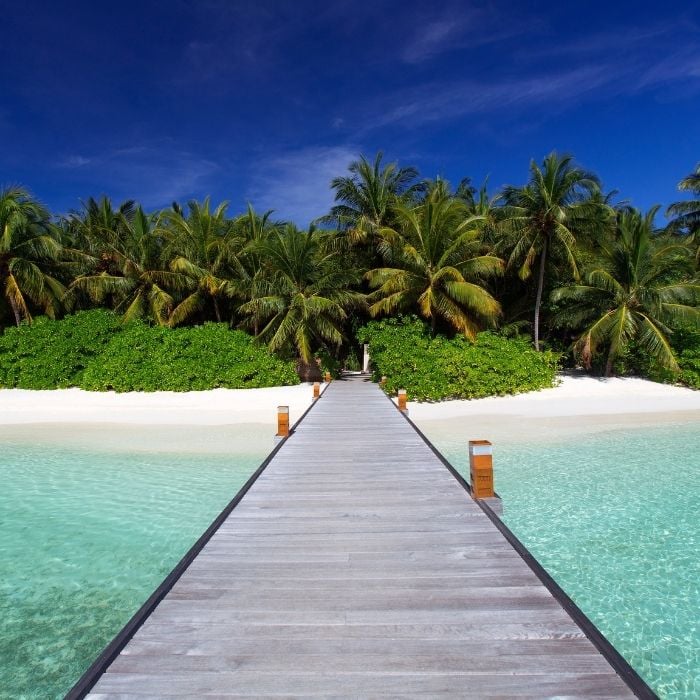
x=579, y=404
x=218, y=421
x=245, y=419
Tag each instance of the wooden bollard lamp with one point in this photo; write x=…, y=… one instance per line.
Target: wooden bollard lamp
x=328, y=377
x=382, y=381
x=481, y=468
x=402, y=400
x=282, y=421
x=317, y=389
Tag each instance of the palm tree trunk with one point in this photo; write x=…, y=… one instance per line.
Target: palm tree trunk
x=15, y=310
x=216, y=310
x=538, y=300
x=433, y=324
x=609, y=365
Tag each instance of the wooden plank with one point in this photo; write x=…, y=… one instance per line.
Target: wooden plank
x=356, y=565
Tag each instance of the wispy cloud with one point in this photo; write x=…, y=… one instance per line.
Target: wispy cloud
x=297, y=184
x=157, y=174
x=458, y=27
x=537, y=88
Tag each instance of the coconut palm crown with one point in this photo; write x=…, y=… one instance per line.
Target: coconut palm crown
x=28, y=245
x=434, y=264
x=631, y=297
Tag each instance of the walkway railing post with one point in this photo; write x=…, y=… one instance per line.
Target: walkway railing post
x=282, y=421
x=481, y=468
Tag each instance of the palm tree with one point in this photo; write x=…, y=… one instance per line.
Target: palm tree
x=200, y=248
x=135, y=278
x=631, y=296
x=28, y=244
x=367, y=195
x=687, y=213
x=545, y=216
x=434, y=263
x=302, y=303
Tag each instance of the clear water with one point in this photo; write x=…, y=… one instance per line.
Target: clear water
x=614, y=517
x=85, y=537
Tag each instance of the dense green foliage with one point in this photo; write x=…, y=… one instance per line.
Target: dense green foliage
x=686, y=343
x=555, y=258
x=95, y=351
x=431, y=367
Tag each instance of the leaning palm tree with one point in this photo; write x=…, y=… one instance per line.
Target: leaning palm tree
x=200, y=247
x=28, y=245
x=435, y=265
x=136, y=280
x=302, y=303
x=631, y=296
x=544, y=218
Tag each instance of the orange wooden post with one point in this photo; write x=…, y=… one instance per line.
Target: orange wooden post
x=382, y=382
x=481, y=468
x=317, y=389
x=328, y=377
x=282, y=421
x=402, y=400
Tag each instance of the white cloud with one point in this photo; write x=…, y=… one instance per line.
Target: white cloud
x=297, y=184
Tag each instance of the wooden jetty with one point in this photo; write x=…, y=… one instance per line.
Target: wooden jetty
x=357, y=565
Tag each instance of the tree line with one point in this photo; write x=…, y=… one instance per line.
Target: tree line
x=557, y=258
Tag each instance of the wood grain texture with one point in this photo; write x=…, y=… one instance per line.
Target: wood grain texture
x=356, y=565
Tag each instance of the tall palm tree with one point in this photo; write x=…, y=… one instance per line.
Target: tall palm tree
x=434, y=263
x=302, y=304
x=545, y=217
x=200, y=248
x=631, y=296
x=366, y=196
x=135, y=278
x=28, y=244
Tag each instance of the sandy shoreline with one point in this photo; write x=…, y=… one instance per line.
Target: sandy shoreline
x=244, y=420
x=579, y=405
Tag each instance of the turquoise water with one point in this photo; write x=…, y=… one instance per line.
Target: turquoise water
x=85, y=537
x=615, y=519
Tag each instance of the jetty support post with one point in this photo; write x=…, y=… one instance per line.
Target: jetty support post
x=282, y=423
x=481, y=474
x=403, y=398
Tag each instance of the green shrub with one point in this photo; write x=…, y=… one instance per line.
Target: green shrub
x=436, y=368
x=95, y=351
x=686, y=344
x=152, y=358
x=54, y=354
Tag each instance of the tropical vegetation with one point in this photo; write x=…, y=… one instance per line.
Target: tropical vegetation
x=554, y=265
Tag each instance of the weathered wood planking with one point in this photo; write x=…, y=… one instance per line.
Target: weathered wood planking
x=357, y=565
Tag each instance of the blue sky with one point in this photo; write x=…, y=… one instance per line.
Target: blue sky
x=266, y=101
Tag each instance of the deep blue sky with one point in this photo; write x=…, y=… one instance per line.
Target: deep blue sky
x=265, y=101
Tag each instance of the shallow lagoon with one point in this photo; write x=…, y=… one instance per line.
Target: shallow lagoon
x=614, y=516
x=89, y=525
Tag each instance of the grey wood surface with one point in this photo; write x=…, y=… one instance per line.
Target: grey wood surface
x=357, y=566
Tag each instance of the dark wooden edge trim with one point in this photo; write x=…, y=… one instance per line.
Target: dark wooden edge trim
x=113, y=649
x=618, y=662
